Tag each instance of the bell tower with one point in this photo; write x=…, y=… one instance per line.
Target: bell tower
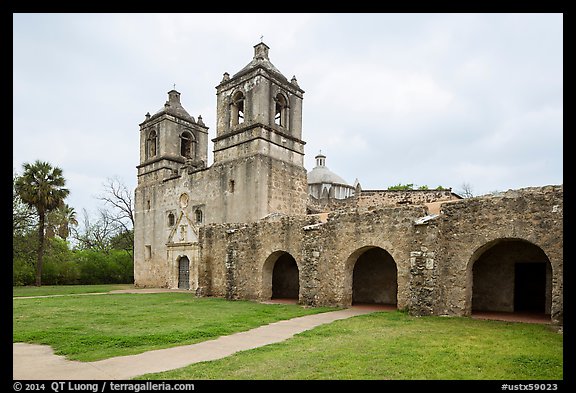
x=258, y=142
x=170, y=139
x=259, y=111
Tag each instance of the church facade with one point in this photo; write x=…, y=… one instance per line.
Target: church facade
x=256, y=225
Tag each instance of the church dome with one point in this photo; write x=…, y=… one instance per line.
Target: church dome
x=325, y=184
x=322, y=175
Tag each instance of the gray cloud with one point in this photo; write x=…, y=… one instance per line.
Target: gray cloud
x=430, y=99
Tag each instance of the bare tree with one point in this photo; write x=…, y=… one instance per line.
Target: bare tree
x=120, y=199
x=466, y=191
x=114, y=223
x=95, y=235
x=117, y=195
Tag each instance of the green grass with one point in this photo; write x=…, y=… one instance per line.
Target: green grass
x=49, y=290
x=395, y=346
x=381, y=346
x=89, y=328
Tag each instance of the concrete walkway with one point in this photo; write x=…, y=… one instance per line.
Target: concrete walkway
x=38, y=362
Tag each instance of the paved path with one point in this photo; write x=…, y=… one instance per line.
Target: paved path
x=38, y=362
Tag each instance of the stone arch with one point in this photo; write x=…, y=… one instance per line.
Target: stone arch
x=280, y=277
x=371, y=277
x=187, y=145
x=281, y=110
x=237, y=107
x=151, y=144
x=509, y=275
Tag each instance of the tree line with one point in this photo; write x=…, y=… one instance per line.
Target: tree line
x=53, y=246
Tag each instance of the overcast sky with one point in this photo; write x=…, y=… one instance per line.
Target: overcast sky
x=428, y=99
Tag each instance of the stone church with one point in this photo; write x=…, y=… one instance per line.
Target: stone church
x=255, y=224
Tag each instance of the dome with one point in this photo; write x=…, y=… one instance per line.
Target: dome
x=322, y=175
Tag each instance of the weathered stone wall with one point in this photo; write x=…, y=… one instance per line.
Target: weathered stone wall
x=470, y=227
x=433, y=255
x=160, y=240
x=287, y=188
x=348, y=234
x=243, y=191
x=369, y=199
x=316, y=205
x=234, y=257
x=402, y=197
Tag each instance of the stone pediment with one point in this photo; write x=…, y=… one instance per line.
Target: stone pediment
x=184, y=231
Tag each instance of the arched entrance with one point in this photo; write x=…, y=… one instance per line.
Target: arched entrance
x=184, y=273
x=511, y=276
x=374, y=277
x=280, y=277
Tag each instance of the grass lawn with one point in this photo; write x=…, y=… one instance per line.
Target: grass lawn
x=89, y=328
x=47, y=290
x=396, y=346
x=381, y=346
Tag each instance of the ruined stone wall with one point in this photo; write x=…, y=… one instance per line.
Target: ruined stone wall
x=347, y=235
x=369, y=199
x=401, y=197
x=470, y=227
x=233, y=257
x=316, y=205
x=433, y=255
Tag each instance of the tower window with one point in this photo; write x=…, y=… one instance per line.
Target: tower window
x=187, y=145
x=281, y=110
x=171, y=220
x=198, y=216
x=237, y=109
x=151, y=144
x=231, y=186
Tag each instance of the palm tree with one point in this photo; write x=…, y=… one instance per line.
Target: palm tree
x=41, y=187
x=58, y=221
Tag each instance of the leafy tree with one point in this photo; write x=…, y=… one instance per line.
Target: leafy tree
x=24, y=246
x=41, y=187
x=59, y=265
x=59, y=221
x=24, y=217
x=401, y=187
x=123, y=241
